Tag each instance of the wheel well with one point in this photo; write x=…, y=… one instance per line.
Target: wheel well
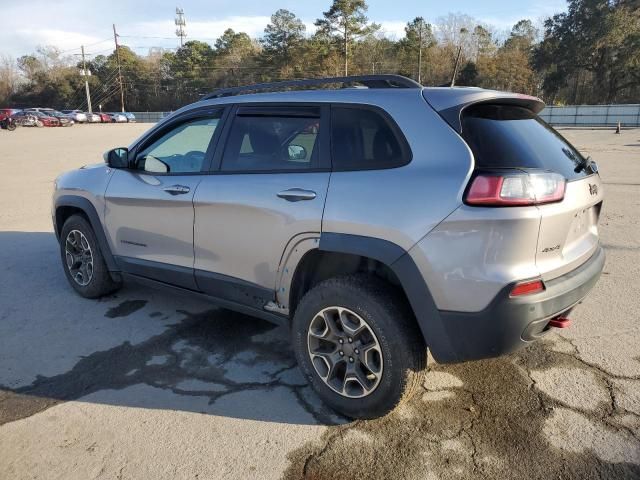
x=317, y=266
x=64, y=212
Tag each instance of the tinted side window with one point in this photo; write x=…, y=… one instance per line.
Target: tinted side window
x=507, y=136
x=362, y=139
x=181, y=149
x=264, y=141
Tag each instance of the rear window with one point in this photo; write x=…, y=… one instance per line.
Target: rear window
x=507, y=136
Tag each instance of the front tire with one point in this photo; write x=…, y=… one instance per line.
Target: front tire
x=82, y=260
x=357, y=342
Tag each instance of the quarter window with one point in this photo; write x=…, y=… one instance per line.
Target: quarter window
x=182, y=149
x=272, y=140
x=363, y=139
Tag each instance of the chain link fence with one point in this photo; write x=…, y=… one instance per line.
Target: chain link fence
x=576, y=115
x=592, y=115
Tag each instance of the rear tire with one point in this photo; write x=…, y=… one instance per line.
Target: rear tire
x=82, y=259
x=371, y=385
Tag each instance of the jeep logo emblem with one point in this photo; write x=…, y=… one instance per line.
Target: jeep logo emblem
x=593, y=189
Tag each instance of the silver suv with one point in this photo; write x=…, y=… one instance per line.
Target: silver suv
x=375, y=220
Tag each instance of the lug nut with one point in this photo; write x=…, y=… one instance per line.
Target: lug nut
x=357, y=351
x=351, y=359
x=341, y=353
x=350, y=340
x=341, y=341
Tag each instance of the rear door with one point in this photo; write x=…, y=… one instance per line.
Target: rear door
x=512, y=137
x=269, y=184
x=149, y=207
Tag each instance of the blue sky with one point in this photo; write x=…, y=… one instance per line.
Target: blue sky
x=70, y=23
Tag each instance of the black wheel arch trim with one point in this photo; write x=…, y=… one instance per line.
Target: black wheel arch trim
x=411, y=280
x=89, y=210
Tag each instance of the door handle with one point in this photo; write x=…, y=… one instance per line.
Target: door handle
x=297, y=194
x=177, y=189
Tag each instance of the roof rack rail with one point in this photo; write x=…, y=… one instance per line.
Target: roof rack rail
x=370, y=81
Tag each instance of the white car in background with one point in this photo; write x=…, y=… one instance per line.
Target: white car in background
x=118, y=117
x=93, y=118
x=77, y=115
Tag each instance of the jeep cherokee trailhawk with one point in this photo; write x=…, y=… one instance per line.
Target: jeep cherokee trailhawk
x=375, y=220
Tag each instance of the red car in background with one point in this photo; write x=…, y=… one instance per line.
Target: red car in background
x=47, y=120
x=104, y=117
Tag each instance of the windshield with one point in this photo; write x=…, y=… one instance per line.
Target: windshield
x=508, y=136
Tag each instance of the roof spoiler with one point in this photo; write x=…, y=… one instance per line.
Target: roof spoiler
x=450, y=105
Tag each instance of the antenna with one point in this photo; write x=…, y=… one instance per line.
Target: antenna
x=180, y=23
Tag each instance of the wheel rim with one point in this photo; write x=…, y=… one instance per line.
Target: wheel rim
x=79, y=257
x=345, y=352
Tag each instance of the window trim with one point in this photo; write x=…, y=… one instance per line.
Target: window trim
x=155, y=134
x=405, y=148
x=324, y=153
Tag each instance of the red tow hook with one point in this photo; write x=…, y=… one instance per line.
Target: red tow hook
x=559, y=322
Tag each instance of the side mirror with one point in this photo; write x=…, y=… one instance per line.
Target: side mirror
x=117, y=158
x=297, y=152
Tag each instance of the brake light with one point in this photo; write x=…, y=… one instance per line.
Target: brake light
x=516, y=189
x=527, y=288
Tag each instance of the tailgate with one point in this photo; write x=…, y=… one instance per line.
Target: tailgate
x=569, y=229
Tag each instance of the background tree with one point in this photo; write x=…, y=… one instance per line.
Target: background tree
x=588, y=54
x=346, y=19
x=281, y=42
x=418, y=38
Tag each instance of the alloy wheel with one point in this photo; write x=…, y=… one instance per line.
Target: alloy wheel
x=345, y=352
x=79, y=257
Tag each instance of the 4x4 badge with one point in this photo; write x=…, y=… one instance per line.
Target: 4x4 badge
x=593, y=189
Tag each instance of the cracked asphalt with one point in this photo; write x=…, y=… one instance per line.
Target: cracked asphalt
x=144, y=384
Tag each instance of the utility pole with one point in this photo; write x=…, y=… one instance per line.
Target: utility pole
x=85, y=73
x=346, y=50
x=115, y=39
x=420, y=54
x=180, y=23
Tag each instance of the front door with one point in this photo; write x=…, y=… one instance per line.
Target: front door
x=149, y=207
x=270, y=186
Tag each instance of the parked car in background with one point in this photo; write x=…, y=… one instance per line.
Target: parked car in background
x=25, y=119
x=35, y=119
x=105, y=117
x=46, y=120
x=77, y=115
x=118, y=117
x=131, y=118
x=7, y=123
x=64, y=119
x=93, y=117
x=7, y=112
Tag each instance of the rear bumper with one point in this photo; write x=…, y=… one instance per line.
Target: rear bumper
x=511, y=323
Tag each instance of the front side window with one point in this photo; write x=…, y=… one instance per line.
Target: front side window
x=182, y=149
x=273, y=141
x=363, y=139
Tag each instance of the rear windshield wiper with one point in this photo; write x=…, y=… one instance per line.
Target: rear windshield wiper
x=587, y=163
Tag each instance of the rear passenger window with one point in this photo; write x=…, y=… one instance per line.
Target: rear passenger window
x=272, y=140
x=364, y=139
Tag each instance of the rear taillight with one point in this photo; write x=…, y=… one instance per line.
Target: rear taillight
x=527, y=288
x=515, y=189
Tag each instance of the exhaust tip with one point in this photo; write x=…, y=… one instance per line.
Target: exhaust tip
x=559, y=322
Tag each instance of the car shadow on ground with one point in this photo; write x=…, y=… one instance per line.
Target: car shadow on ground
x=182, y=354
